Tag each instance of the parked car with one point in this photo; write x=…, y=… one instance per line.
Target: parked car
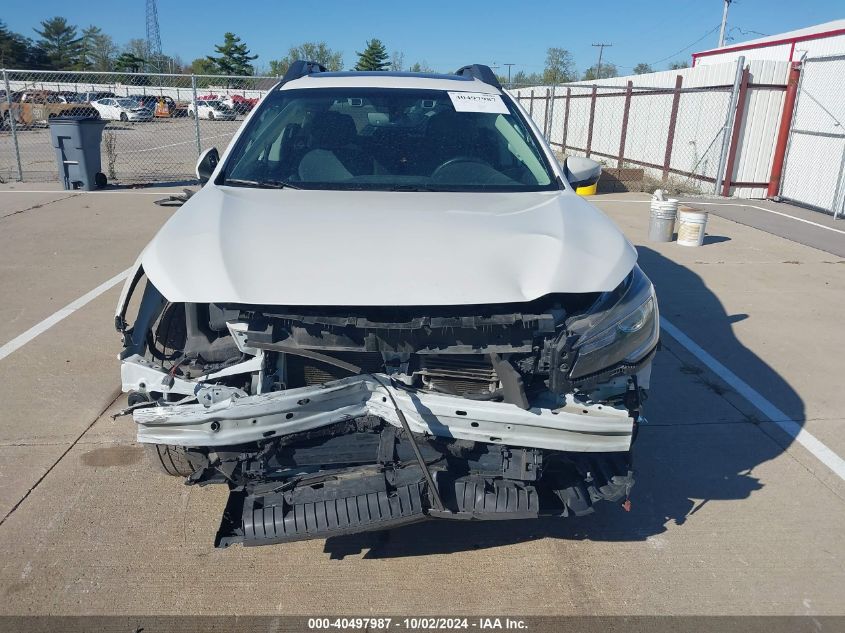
x=240, y=104
x=88, y=97
x=387, y=303
x=69, y=96
x=147, y=101
x=122, y=109
x=33, y=107
x=211, y=109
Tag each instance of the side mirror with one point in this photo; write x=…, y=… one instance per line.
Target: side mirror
x=582, y=173
x=207, y=163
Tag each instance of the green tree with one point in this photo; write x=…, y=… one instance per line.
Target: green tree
x=560, y=67
x=421, y=67
x=643, y=69
x=202, y=66
x=60, y=43
x=309, y=51
x=521, y=78
x=233, y=56
x=678, y=65
x=98, y=50
x=14, y=48
x=374, y=57
x=607, y=70
x=129, y=63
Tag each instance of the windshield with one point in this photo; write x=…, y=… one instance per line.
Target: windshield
x=127, y=103
x=388, y=139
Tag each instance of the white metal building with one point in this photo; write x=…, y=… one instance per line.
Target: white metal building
x=821, y=40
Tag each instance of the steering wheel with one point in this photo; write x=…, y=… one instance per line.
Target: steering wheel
x=457, y=160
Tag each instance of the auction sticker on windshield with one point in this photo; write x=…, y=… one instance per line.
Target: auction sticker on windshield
x=478, y=102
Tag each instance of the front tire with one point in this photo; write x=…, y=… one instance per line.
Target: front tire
x=175, y=461
x=211, y=116
x=123, y=117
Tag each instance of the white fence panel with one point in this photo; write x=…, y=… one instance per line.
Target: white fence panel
x=813, y=172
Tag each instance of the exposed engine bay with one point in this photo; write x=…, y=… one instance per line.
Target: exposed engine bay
x=330, y=420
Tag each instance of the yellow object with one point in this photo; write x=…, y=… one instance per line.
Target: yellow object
x=587, y=191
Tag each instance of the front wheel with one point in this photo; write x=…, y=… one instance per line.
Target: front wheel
x=123, y=117
x=191, y=113
x=176, y=461
x=211, y=116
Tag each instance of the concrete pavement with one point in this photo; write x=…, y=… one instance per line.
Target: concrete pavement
x=730, y=515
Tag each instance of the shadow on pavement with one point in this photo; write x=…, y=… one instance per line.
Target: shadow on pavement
x=680, y=467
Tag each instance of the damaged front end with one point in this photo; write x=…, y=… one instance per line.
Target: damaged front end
x=331, y=420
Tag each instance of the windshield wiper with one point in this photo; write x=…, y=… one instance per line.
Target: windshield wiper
x=259, y=184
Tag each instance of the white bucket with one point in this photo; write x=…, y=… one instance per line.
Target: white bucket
x=692, y=222
x=661, y=225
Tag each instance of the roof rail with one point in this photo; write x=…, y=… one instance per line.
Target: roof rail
x=301, y=68
x=480, y=72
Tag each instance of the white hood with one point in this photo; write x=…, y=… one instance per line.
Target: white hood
x=364, y=248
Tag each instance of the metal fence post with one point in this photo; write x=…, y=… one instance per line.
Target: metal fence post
x=626, y=111
x=838, y=203
x=592, y=120
x=566, y=120
x=673, y=121
x=739, y=118
x=546, y=114
x=531, y=104
x=12, y=124
x=723, y=155
x=552, y=115
x=196, y=113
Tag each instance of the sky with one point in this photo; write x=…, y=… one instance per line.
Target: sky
x=444, y=34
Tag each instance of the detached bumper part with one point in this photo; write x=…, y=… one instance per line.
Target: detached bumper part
x=278, y=495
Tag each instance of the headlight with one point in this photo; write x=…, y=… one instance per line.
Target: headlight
x=623, y=326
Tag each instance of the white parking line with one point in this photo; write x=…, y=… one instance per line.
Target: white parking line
x=780, y=213
x=39, y=328
x=739, y=204
x=78, y=191
x=770, y=411
x=193, y=140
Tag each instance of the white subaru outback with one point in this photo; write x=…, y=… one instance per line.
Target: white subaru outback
x=387, y=304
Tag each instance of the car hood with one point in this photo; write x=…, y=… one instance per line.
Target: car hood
x=364, y=248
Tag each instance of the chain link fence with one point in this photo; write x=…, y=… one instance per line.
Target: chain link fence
x=814, y=168
x=698, y=130
x=671, y=133
x=157, y=123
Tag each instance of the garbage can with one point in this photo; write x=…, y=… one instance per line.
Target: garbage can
x=76, y=140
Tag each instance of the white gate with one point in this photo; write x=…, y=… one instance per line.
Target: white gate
x=814, y=171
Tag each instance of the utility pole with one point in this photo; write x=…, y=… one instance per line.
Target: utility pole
x=601, y=48
x=509, y=72
x=724, y=23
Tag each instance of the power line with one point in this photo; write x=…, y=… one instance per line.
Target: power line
x=687, y=47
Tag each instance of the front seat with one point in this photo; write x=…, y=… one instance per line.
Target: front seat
x=335, y=155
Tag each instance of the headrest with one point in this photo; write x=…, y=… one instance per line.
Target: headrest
x=332, y=129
